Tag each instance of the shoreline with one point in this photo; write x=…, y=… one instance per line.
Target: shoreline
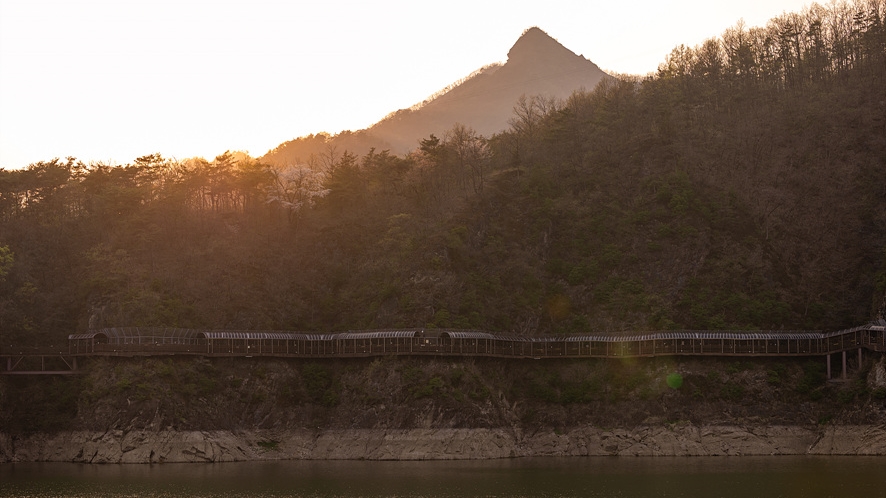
x=681, y=439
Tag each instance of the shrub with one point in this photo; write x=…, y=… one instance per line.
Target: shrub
x=318, y=384
x=732, y=391
x=431, y=388
x=268, y=445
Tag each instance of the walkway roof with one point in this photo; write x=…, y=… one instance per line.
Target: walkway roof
x=467, y=334
x=251, y=334
x=378, y=334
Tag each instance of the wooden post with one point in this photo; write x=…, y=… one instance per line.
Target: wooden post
x=843, y=376
x=829, y=366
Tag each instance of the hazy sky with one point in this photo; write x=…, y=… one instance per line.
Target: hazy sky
x=111, y=80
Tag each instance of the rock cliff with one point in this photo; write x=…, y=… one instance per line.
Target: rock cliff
x=439, y=444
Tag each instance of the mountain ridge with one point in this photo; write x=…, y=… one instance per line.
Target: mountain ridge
x=537, y=65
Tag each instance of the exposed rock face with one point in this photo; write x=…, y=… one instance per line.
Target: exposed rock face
x=439, y=444
x=877, y=376
x=131, y=447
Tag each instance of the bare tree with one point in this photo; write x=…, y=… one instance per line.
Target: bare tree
x=295, y=188
x=529, y=113
x=470, y=153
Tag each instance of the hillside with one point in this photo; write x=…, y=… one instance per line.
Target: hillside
x=712, y=195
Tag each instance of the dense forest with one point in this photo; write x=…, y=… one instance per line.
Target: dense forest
x=741, y=186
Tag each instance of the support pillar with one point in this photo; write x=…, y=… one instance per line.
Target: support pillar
x=828, y=356
x=843, y=374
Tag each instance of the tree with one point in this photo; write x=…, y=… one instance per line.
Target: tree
x=739, y=55
x=469, y=153
x=295, y=188
x=385, y=174
x=346, y=184
x=6, y=260
x=529, y=112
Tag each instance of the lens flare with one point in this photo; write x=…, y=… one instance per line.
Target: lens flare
x=675, y=380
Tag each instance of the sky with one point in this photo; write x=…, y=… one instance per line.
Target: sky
x=111, y=80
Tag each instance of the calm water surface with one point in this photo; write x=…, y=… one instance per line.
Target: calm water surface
x=553, y=477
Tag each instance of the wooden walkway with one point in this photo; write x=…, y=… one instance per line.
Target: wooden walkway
x=134, y=341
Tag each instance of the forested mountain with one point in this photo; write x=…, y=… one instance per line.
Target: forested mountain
x=742, y=186
x=537, y=65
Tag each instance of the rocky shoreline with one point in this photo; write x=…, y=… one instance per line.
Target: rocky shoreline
x=187, y=410
x=169, y=446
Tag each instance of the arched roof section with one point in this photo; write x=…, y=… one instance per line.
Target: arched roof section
x=512, y=338
x=317, y=337
x=869, y=326
x=252, y=335
x=378, y=334
x=466, y=334
x=87, y=336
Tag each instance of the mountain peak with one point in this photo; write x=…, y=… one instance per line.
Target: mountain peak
x=537, y=65
x=536, y=45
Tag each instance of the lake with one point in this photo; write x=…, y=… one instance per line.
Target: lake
x=782, y=476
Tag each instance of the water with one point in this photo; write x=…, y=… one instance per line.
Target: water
x=784, y=476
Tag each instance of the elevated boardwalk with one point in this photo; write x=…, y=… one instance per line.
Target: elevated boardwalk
x=135, y=341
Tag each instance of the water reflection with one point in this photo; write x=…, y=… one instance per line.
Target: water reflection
x=553, y=477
